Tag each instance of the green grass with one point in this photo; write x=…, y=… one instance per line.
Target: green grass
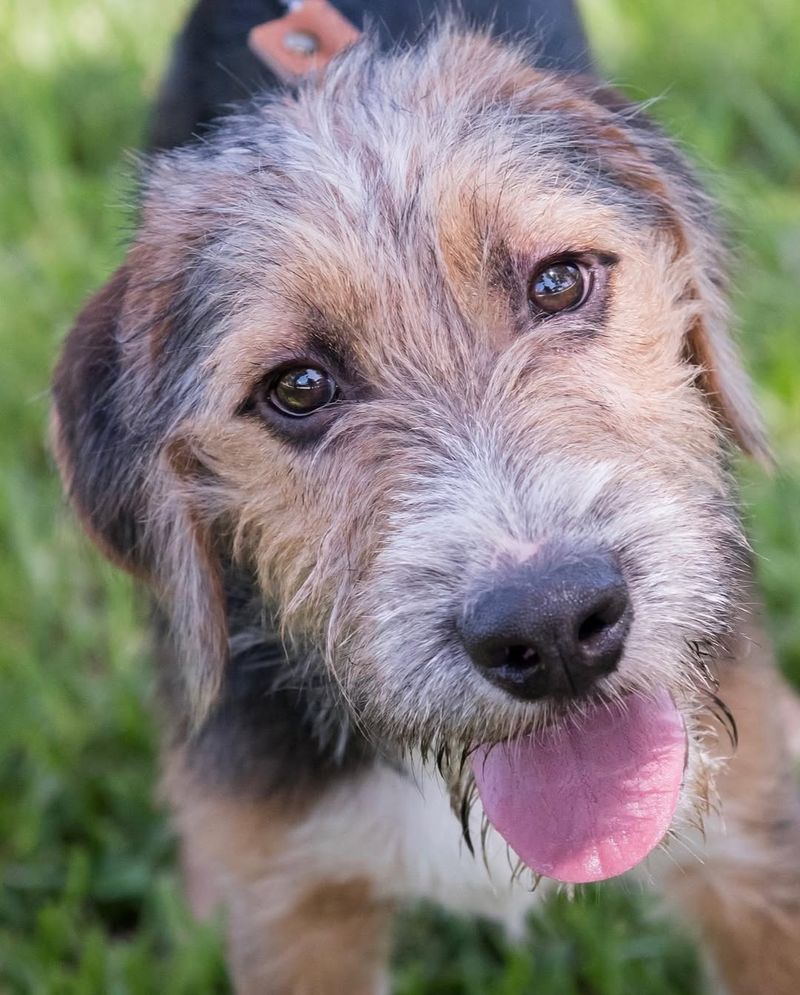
x=90, y=901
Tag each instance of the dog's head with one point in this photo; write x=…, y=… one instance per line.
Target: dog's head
x=437, y=348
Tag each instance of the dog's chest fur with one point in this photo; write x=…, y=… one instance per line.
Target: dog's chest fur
x=397, y=829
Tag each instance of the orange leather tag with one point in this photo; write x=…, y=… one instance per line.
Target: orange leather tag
x=303, y=41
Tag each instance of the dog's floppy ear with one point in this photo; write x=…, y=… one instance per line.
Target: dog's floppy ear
x=710, y=346
x=123, y=477
x=723, y=377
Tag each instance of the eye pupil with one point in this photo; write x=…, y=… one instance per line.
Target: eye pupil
x=557, y=287
x=556, y=279
x=302, y=390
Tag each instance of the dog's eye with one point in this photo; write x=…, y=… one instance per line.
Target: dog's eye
x=301, y=391
x=559, y=286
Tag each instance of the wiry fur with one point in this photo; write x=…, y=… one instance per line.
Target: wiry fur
x=383, y=222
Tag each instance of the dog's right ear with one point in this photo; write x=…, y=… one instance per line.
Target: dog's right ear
x=123, y=478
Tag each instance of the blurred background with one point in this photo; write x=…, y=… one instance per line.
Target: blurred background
x=89, y=901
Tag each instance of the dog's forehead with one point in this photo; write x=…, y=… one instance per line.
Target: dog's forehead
x=421, y=206
x=405, y=236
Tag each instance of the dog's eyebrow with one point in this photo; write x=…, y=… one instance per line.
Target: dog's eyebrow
x=324, y=341
x=503, y=270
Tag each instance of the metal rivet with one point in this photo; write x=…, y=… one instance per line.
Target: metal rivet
x=300, y=42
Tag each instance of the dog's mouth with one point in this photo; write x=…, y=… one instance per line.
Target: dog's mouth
x=590, y=797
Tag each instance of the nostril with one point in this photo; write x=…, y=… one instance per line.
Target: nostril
x=519, y=657
x=508, y=657
x=591, y=627
x=600, y=636
x=600, y=620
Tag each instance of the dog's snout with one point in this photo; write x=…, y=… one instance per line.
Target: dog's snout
x=549, y=629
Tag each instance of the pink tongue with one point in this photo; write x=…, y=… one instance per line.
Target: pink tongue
x=589, y=799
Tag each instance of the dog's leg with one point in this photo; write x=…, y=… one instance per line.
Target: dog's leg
x=291, y=931
x=328, y=937
x=745, y=895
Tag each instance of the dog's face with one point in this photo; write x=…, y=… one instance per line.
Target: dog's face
x=442, y=326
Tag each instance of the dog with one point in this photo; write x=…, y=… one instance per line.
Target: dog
x=414, y=404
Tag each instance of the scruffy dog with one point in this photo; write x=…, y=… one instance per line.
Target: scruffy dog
x=414, y=403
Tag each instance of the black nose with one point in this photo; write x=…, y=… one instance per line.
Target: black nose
x=549, y=628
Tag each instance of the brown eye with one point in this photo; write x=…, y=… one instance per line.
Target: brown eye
x=558, y=287
x=301, y=391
